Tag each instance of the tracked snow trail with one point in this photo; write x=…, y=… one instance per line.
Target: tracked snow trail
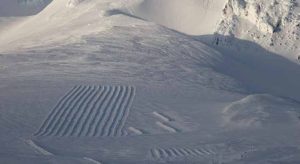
x=171, y=153
x=72, y=116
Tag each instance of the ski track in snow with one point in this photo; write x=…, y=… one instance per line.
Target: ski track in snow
x=92, y=160
x=167, y=127
x=162, y=116
x=136, y=131
x=167, y=153
x=90, y=111
x=38, y=148
x=163, y=123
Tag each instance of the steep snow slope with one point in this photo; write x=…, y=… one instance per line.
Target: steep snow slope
x=186, y=16
x=62, y=21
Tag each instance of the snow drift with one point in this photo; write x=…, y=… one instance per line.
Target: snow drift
x=261, y=110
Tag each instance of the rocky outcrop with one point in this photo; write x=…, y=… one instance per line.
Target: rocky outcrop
x=270, y=23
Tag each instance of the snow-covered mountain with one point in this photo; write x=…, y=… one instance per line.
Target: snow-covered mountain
x=274, y=24
x=271, y=24
x=149, y=81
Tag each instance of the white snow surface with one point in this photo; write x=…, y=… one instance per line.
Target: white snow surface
x=262, y=110
x=150, y=81
x=185, y=16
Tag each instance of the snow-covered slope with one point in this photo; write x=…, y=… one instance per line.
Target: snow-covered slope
x=186, y=16
x=63, y=21
x=108, y=81
x=262, y=110
x=181, y=89
x=271, y=24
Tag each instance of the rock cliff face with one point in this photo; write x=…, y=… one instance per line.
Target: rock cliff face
x=270, y=23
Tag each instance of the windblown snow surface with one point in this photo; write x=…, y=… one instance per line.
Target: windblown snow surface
x=149, y=81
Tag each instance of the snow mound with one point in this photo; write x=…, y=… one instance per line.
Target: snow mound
x=261, y=110
x=185, y=16
x=270, y=23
